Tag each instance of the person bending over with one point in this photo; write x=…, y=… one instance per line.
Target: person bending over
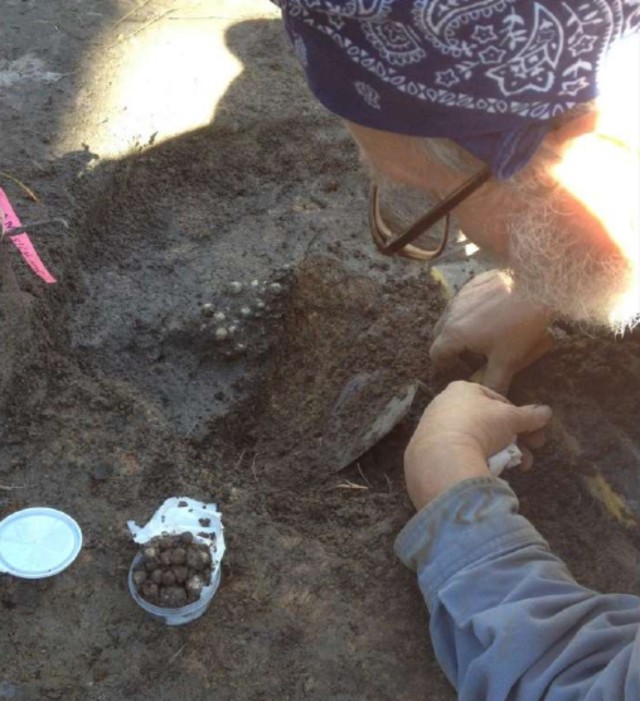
x=541, y=97
x=507, y=620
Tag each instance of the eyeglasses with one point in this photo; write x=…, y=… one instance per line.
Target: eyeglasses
x=389, y=243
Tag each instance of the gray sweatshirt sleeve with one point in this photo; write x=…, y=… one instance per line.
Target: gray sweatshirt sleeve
x=508, y=621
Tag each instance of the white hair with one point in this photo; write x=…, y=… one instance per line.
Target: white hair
x=558, y=268
x=553, y=266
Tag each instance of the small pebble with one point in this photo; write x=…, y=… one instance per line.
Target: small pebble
x=233, y=330
x=255, y=283
x=181, y=572
x=208, y=309
x=205, y=557
x=165, y=557
x=194, y=585
x=275, y=288
x=245, y=311
x=168, y=578
x=219, y=316
x=179, y=556
x=193, y=559
x=179, y=597
x=150, y=553
x=260, y=304
x=150, y=591
x=173, y=597
x=235, y=288
x=156, y=576
x=139, y=578
x=240, y=348
x=221, y=333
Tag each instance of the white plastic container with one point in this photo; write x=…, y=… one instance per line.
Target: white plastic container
x=175, y=516
x=180, y=616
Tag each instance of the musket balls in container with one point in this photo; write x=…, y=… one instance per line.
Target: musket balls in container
x=173, y=570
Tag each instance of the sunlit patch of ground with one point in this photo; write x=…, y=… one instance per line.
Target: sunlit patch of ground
x=157, y=73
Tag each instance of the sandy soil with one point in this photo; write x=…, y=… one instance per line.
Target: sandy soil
x=115, y=392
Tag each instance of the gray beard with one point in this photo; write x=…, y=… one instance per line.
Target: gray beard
x=553, y=267
x=559, y=269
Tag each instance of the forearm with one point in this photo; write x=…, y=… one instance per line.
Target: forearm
x=507, y=619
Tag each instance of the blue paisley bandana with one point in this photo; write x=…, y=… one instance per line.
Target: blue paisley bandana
x=493, y=75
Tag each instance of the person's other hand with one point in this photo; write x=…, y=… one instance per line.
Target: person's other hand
x=461, y=428
x=488, y=317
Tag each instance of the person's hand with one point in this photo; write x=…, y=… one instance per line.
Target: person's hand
x=487, y=316
x=461, y=428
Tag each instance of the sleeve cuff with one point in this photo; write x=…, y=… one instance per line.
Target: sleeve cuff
x=475, y=520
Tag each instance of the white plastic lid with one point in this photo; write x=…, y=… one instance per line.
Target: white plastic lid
x=38, y=542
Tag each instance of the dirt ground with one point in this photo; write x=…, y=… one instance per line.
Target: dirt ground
x=115, y=392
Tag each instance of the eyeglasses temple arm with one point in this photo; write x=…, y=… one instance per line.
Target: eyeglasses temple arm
x=432, y=217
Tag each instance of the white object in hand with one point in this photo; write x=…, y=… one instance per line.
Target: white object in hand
x=507, y=457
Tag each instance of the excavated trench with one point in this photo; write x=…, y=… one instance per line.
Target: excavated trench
x=120, y=389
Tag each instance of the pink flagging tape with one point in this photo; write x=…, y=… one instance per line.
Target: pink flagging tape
x=22, y=241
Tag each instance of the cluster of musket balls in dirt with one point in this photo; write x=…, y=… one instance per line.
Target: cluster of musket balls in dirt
x=173, y=570
x=239, y=304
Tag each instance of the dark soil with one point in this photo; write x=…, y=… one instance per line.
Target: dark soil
x=115, y=393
